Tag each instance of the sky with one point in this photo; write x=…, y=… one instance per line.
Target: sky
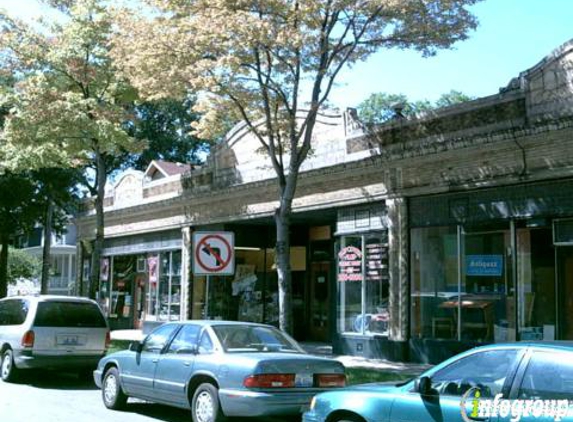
x=513, y=36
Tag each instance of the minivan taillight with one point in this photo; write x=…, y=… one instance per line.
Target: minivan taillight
x=28, y=339
x=269, y=381
x=330, y=380
x=107, y=340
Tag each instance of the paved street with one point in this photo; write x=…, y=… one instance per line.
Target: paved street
x=53, y=397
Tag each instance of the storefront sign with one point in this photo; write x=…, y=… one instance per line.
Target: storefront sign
x=484, y=265
x=350, y=264
x=376, y=256
x=213, y=253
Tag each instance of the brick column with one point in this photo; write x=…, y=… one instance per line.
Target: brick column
x=398, y=268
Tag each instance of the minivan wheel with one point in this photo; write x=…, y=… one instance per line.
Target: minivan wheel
x=8, y=370
x=205, y=405
x=111, y=392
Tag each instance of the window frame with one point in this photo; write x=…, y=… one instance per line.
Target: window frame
x=525, y=363
x=194, y=347
x=174, y=330
x=24, y=304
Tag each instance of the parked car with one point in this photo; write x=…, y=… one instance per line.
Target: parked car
x=512, y=375
x=51, y=332
x=218, y=369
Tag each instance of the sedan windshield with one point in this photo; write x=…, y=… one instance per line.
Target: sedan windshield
x=246, y=338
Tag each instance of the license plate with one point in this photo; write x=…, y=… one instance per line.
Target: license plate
x=303, y=380
x=70, y=340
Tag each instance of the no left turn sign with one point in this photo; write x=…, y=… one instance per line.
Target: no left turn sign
x=213, y=253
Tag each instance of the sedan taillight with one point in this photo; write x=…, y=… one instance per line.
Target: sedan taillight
x=330, y=380
x=28, y=339
x=269, y=381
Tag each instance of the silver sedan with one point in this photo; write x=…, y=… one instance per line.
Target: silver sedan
x=218, y=369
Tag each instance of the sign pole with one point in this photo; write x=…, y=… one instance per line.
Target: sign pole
x=207, y=298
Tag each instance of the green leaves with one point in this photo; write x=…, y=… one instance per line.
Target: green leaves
x=22, y=265
x=381, y=107
x=71, y=99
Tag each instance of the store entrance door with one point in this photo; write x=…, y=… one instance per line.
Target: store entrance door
x=565, y=285
x=319, y=300
x=121, y=292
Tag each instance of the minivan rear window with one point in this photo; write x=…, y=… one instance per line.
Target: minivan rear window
x=13, y=312
x=69, y=314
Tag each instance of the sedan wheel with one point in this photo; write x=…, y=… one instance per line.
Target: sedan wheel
x=8, y=370
x=112, y=394
x=205, y=404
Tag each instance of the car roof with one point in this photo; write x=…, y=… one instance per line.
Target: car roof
x=218, y=322
x=51, y=298
x=549, y=344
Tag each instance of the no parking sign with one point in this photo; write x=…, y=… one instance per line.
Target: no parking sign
x=213, y=253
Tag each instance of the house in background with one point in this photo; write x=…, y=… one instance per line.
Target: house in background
x=62, y=256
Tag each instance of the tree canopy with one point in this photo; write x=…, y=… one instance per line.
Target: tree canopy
x=166, y=126
x=70, y=101
x=19, y=212
x=381, y=107
x=22, y=265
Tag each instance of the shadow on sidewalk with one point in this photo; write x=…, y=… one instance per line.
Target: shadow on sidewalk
x=58, y=380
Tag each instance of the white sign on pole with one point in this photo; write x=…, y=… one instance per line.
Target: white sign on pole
x=213, y=253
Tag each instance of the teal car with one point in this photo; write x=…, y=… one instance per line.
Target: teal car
x=518, y=382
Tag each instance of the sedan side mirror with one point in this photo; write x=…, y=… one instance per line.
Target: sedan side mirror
x=425, y=387
x=136, y=346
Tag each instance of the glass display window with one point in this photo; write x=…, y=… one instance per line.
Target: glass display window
x=163, y=295
x=536, y=287
x=122, y=279
x=487, y=283
x=251, y=294
x=363, y=284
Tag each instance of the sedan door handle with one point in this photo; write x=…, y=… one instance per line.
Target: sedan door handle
x=155, y=360
x=187, y=363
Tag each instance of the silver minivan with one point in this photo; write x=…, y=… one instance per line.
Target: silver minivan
x=51, y=332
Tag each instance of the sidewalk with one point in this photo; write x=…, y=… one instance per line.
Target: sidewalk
x=318, y=349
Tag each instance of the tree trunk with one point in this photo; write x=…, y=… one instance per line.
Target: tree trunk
x=282, y=222
x=98, y=244
x=46, y=259
x=3, y=266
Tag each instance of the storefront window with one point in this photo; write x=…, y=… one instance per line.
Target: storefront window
x=487, y=290
x=434, y=266
x=170, y=286
x=164, y=287
x=120, y=298
x=463, y=282
x=536, y=292
x=251, y=294
x=363, y=284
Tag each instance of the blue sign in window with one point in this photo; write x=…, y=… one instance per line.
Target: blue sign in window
x=484, y=265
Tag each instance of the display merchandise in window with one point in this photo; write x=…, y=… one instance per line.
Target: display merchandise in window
x=363, y=284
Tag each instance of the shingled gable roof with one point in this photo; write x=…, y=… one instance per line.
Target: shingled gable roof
x=165, y=168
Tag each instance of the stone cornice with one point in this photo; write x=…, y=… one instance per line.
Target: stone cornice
x=262, y=192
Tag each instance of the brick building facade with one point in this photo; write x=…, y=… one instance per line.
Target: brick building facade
x=411, y=240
